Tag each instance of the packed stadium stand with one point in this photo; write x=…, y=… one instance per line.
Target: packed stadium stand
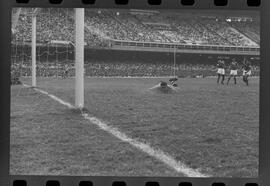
x=162, y=27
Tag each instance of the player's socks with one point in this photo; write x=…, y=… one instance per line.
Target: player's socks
x=235, y=80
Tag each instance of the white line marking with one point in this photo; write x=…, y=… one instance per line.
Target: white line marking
x=26, y=85
x=155, y=153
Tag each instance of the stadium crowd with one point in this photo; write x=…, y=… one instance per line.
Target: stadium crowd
x=233, y=36
x=104, y=25
x=251, y=29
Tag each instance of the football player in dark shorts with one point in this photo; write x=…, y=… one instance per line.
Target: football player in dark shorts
x=233, y=71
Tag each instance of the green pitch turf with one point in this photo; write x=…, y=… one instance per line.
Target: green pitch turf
x=210, y=127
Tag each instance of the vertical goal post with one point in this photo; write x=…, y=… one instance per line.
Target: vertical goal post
x=79, y=58
x=79, y=54
x=34, y=49
x=34, y=46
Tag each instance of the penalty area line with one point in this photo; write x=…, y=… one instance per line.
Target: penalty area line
x=146, y=148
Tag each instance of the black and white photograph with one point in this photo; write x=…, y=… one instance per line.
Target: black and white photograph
x=135, y=92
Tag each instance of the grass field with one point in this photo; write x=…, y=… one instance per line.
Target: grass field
x=209, y=127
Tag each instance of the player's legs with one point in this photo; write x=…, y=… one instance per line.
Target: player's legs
x=234, y=77
x=246, y=74
x=218, y=78
x=229, y=79
x=223, y=78
x=247, y=80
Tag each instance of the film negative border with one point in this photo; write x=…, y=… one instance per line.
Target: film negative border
x=121, y=181
x=264, y=169
x=250, y=3
x=146, y=4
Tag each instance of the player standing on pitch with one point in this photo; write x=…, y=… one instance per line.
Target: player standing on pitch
x=246, y=71
x=233, y=71
x=221, y=71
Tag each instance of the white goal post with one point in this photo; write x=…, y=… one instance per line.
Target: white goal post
x=79, y=58
x=34, y=50
x=79, y=55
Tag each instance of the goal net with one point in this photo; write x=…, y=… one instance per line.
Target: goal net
x=54, y=41
x=43, y=45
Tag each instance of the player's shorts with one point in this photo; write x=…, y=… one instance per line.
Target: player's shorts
x=221, y=71
x=246, y=73
x=233, y=72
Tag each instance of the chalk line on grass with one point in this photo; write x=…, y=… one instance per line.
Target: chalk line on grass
x=153, y=152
